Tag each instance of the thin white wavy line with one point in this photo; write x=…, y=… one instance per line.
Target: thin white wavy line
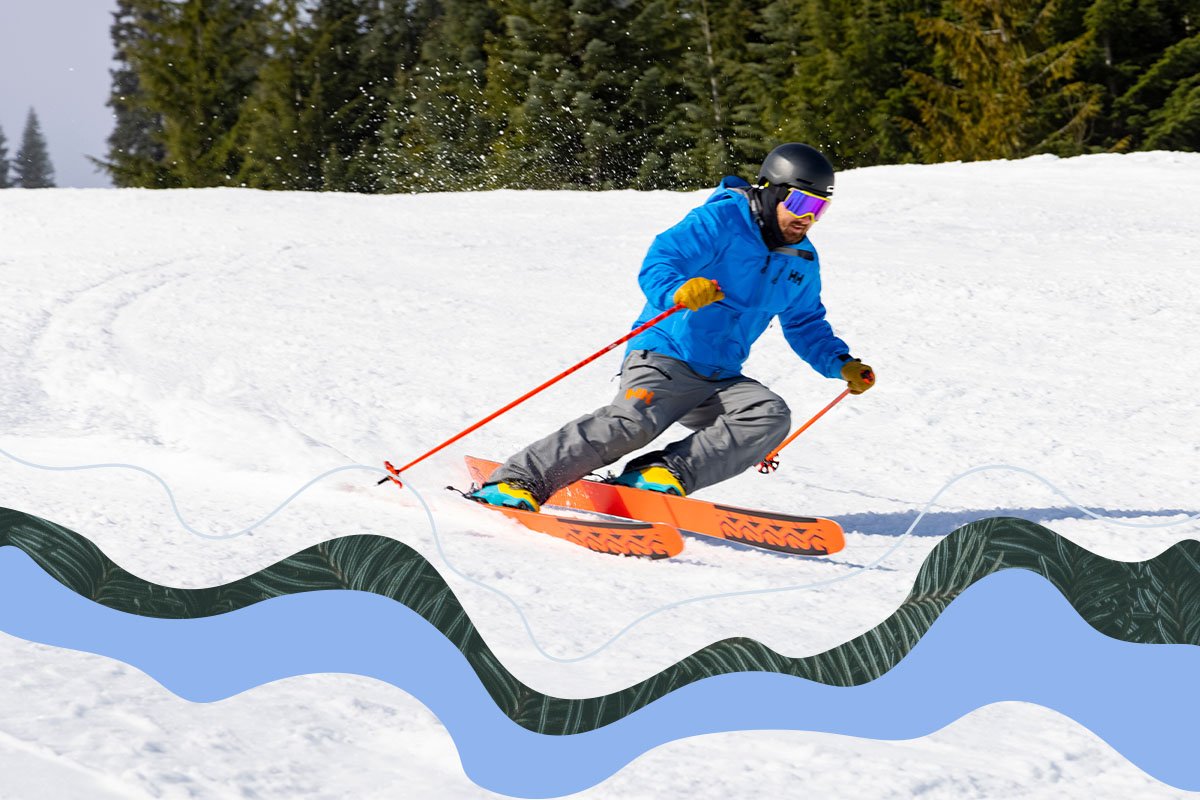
x=637, y=620
x=171, y=495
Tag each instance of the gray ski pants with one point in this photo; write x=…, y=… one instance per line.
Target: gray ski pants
x=736, y=422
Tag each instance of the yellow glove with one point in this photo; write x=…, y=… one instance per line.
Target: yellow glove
x=858, y=375
x=697, y=293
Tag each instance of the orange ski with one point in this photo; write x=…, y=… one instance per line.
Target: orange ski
x=645, y=539
x=809, y=536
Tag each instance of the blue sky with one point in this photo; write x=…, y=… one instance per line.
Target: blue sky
x=55, y=57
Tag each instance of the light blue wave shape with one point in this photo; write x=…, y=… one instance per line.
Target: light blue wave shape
x=1011, y=636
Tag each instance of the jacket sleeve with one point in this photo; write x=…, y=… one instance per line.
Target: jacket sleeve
x=812, y=338
x=677, y=254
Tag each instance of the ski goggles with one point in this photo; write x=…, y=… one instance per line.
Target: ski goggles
x=800, y=203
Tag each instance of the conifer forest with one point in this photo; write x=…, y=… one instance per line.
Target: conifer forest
x=434, y=95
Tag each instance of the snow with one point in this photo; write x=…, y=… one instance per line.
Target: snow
x=1036, y=313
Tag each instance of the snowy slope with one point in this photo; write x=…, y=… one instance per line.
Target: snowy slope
x=1037, y=314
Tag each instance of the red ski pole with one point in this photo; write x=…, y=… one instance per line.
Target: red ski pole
x=771, y=462
x=650, y=324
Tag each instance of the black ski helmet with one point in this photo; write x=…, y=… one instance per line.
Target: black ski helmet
x=798, y=165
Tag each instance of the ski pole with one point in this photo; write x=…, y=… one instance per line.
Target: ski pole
x=771, y=462
x=395, y=477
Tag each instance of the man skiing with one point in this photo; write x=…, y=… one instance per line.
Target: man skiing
x=735, y=263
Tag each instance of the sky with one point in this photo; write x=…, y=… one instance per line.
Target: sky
x=56, y=59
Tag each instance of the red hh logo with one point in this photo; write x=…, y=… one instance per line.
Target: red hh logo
x=641, y=394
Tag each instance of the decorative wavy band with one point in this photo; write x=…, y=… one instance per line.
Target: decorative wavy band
x=1154, y=601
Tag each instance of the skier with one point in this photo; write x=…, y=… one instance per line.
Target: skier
x=734, y=263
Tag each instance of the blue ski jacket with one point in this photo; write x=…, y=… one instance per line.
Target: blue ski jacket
x=721, y=240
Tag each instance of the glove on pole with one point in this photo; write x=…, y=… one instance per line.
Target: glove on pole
x=860, y=376
x=697, y=293
x=650, y=324
x=771, y=462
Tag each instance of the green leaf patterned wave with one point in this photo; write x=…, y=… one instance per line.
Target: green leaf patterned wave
x=1153, y=601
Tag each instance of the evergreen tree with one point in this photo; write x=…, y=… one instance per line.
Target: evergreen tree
x=315, y=118
x=440, y=131
x=32, y=165
x=280, y=123
x=654, y=95
x=720, y=105
x=586, y=95
x=196, y=62
x=344, y=97
x=690, y=106
x=530, y=83
x=836, y=76
x=5, y=183
x=135, y=150
x=652, y=119
x=1001, y=87
x=1129, y=39
x=390, y=49
x=606, y=156
x=1144, y=61
x=1164, y=105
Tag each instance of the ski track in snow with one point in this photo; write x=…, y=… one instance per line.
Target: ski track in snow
x=239, y=343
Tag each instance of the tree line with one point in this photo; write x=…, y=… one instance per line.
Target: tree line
x=426, y=95
x=31, y=168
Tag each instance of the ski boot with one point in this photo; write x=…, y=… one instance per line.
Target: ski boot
x=655, y=478
x=509, y=495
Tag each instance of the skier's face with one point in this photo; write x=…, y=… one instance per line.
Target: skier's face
x=792, y=227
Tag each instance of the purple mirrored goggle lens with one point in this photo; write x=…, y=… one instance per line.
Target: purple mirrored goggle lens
x=799, y=203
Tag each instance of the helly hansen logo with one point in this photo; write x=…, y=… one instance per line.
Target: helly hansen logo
x=644, y=395
x=796, y=277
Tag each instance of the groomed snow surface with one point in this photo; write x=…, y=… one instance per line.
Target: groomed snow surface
x=1038, y=314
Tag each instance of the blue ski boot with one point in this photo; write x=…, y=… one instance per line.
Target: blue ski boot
x=655, y=479
x=505, y=494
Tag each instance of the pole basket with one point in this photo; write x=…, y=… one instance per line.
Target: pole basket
x=771, y=462
x=394, y=477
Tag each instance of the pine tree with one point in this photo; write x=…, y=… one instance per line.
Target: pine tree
x=717, y=36
x=440, y=131
x=584, y=95
x=196, y=62
x=5, y=183
x=316, y=116
x=1001, y=87
x=389, y=50
x=1145, y=60
x=343, y=95
x=135, y=150
x=282, y=146
x=1164, y=105
x=835, y=74
x=32, y=164
x=530, y=83
x=655, y=93
x=705, y=69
